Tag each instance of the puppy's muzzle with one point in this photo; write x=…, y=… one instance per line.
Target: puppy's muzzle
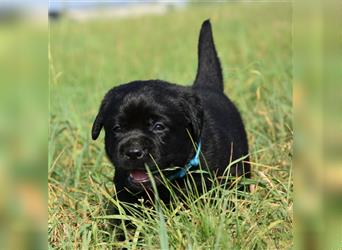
x=134, y=153
x=134, y=149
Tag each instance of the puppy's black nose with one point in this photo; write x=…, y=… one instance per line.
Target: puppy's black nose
x=134, y=153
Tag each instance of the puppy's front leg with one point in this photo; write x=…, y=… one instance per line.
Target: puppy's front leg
x=122, y=196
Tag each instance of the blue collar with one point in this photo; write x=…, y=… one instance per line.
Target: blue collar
x=194, y=162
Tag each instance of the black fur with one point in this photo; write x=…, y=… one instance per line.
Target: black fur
x=209, y=73
x=151, y=118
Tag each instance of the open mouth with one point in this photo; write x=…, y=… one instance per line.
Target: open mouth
x=139, y=176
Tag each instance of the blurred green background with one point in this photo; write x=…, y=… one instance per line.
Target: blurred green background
x=87, y=56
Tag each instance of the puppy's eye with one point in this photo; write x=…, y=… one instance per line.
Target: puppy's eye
x=117, y=128
x=158, y=127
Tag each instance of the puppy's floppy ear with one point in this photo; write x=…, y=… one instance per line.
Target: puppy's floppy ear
x=98, y=123
x=99, y=120
x=194, y=114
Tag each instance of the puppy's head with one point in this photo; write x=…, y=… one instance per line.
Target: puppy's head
x=148, y=123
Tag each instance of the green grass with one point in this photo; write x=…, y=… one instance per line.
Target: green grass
x=86, y=59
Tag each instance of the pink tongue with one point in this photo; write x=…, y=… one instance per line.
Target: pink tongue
x=139, y=175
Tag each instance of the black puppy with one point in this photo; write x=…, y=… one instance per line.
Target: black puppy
x=154, y=122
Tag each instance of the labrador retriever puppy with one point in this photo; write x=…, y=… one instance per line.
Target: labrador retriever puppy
x=172, y=129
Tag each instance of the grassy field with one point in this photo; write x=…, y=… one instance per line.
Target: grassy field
x=88, y=58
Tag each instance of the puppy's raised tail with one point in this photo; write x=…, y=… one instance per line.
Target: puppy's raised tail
x=209, y=73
